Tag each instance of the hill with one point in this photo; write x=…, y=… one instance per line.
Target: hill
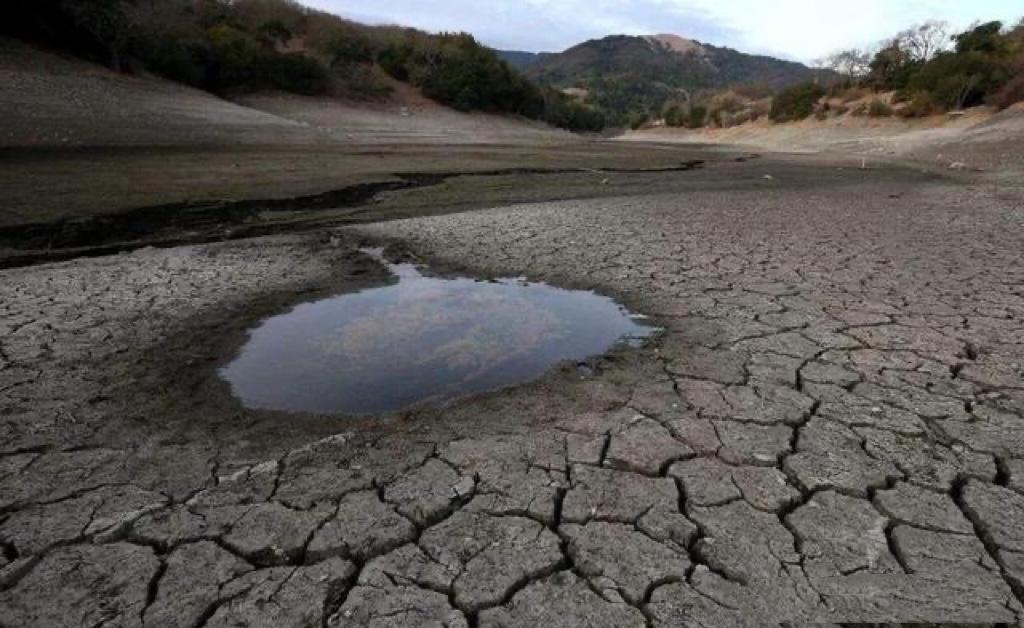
x=230, y=46
x=627, y=75
x=519, y=59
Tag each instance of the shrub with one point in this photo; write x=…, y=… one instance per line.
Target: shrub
x=637, y=119
x=565, y=112
x=722, y=106
x=675, y=115
x=1013, y=91
x=360, y=81
x=178, y=58
x=293, y=72
x=761, y=108
x=743, y=116
x=753, y=91
x=696, y=117
x=1010, y=94
x=854, y=94
x=457, y=71
x=796, y=103
x=919, y=105
x=879, y=109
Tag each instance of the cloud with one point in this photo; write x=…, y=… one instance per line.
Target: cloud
x=797, y=29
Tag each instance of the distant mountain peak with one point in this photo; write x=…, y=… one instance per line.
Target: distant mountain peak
x=627, y=75
x=676, y=43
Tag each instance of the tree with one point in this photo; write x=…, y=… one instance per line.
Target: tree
x=924, y=41
x=893, y=66
x=108, y=22
x=985, y=38
x=796, y=102
x=850, y=64
x=276, y=32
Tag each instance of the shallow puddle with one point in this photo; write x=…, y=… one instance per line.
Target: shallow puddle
x=421, y=339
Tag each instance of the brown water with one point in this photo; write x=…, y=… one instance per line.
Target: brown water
x=421, y=339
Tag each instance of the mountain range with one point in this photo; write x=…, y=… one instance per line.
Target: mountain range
x=632, y=75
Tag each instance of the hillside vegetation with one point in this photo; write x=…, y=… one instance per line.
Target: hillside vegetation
x=232, y=45
x=634, y=78
x=922, y=71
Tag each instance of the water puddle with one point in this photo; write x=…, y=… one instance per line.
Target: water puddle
x=421, y=339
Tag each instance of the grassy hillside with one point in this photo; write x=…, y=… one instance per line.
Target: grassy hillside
x=231, y=45
x=635, y=76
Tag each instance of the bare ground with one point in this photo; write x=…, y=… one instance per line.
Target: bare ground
x=979, y=140
x=828, y=431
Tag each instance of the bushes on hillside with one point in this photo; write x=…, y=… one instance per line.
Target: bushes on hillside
x=918, y=105
x=979, y=67
x=879, y=109
x=796, y=103
x=278, y=44
x=931, y=72
x=565, y=112
x=456, y=70
x=696, y=117
x=675, y=115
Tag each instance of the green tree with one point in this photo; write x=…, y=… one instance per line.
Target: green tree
x=108, y=22
x=796, y=103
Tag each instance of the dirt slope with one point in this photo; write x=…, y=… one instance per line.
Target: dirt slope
x=978, y=140
x=53, y=100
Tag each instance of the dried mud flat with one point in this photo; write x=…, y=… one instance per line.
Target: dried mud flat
x=829, y=430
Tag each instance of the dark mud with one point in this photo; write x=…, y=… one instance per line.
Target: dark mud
x=175, y=224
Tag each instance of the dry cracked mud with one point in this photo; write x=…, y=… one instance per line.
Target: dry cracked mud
x=830, y=429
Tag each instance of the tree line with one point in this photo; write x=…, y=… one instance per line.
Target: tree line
x=935, y=70
x=926, y=69
x=226, y=45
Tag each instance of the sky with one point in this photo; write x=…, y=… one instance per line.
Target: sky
x=803, y=30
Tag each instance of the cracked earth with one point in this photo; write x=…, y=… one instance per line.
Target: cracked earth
x=828, y=431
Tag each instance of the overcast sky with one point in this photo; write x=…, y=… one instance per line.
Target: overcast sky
x=797, y=29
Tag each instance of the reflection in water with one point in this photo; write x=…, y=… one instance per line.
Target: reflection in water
x=421, y=339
